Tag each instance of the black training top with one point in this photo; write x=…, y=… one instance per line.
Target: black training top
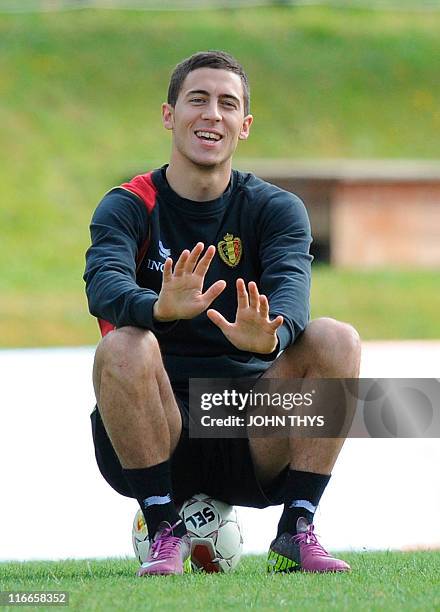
x=261, y=233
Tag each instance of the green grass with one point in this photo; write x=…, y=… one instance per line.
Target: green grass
x=380, y=304
x=81, y=94
x=379, y=581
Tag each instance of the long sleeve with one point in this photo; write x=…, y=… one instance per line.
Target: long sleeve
x=119, y=231
x=285, y=239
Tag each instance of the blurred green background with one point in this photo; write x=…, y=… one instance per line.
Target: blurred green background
x=80, y=111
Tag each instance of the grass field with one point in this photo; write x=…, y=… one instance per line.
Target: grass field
x=81, y=94
x=380, y=304
x=379, y=581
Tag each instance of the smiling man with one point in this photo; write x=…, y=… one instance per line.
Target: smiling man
x=198, y=270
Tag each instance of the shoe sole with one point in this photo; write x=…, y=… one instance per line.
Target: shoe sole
x=187, y=569
x=277, y=563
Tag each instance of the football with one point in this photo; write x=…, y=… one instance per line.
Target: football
x=214, y=528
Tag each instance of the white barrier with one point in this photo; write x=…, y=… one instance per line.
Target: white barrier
x=383, y=493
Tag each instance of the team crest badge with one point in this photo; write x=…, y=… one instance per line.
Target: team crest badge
x=230, y=250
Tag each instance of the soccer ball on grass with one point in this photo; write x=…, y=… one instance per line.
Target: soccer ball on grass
x=216, y=540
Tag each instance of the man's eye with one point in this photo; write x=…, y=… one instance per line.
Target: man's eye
x=229, y=104
x=197, y=100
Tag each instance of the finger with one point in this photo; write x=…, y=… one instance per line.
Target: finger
x=264, y=306
x=213, y=292
x=254, y=296
x=193, y=257
x=167, y=270
x=276, y=323
x=242, y=296
x=203, y=265
x=218, y=319
x=180, y=264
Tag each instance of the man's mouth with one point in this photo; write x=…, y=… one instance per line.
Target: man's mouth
x=208, y=136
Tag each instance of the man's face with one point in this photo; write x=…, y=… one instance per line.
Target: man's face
x=208, y=118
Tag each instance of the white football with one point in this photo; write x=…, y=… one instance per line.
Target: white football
x=214, y=528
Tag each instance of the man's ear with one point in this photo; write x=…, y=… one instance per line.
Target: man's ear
x=244, y=132
x=167, y=116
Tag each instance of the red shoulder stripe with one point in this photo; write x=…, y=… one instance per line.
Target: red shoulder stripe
x=142, y=186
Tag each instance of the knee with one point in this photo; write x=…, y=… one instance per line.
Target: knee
x=335, y=343
x=327, y=332
x=127, y=350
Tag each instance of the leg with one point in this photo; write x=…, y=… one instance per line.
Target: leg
x=135, y=398
x=326, y=349
x=143, y=422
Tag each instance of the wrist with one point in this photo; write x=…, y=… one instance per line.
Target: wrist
x=157, y=316
x=268, y=354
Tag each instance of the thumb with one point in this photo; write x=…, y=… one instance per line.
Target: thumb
x=277, y=322
x=215, y=317
x=213, y=292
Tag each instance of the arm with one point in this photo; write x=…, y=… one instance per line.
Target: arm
x=273, y=320
x=285, y=239
x=119, y=229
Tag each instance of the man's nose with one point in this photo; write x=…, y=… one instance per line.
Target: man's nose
x=212, y=112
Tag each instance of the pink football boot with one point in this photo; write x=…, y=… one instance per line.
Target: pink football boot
x=168, y=554
x=289, y=553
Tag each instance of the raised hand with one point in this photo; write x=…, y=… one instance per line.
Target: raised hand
x=252, y=330
x=181, y=295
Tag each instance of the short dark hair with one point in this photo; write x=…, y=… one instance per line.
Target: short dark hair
x=207, y=59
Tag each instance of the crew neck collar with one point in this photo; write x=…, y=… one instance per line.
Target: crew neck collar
x=206, y=208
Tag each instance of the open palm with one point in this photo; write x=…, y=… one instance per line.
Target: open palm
x=252, y=330
x=181, y=295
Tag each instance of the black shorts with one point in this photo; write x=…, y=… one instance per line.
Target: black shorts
x=221, y=468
